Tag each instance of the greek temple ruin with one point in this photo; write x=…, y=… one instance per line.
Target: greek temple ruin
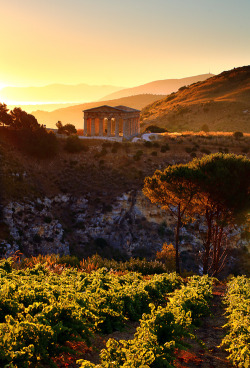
x=108, y=121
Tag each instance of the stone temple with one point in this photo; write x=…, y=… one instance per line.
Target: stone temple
x=108, y=121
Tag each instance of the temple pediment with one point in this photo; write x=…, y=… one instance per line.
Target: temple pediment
x=110, y=109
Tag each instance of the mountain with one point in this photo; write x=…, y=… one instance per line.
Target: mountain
x=74, y=114
x=222, y=102
x=160, y=87
x=56, y=93
x=43, y=107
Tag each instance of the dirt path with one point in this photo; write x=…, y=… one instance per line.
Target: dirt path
x=211, y=333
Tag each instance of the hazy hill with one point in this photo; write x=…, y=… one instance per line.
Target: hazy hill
x=222, y=102
x=56, y=93
x=43, y=107
x=160, y=87
x=74, y=114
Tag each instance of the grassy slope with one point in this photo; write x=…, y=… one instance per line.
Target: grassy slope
x=220, y=102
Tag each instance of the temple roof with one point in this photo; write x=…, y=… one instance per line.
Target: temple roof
x=106, y=108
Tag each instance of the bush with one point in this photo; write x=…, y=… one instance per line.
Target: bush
x=148, y=144
x=167, y=256
x=238, y=135
x=74, y=144
x=154, y=153
x=138, y=155
x=71, y=261
x=165, y=148
x=155, y=129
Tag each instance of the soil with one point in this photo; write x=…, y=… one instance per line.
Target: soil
x=211, y=334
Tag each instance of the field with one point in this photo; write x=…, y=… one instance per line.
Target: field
x=57, y=316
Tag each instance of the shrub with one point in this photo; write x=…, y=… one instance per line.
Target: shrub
x=138, y=155
x=154, y=153
x=74, y=145
x=155, y=129
x=165, y=148
x=238, y=135
x=71, y=261
x=167, y=255
x=148, y=144
x=182, y=88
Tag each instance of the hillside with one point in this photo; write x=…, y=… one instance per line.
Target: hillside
x=56, y=93
x=74, y=114
x=222, y=102
x=160, y=87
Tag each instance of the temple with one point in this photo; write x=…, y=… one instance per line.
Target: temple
x=111, y=121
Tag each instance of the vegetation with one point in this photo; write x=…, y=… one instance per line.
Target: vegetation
x=237, y=339
x=41, y=310
x=161, y=331
x=155, y=129
x=67, y=129
x=215, y=188
x=205, y=104
x=74, y=144
x=24, y=132
x=238, y=135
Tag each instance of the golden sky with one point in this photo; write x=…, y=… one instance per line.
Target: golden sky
x=118, y=42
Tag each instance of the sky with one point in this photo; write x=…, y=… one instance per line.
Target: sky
x=120, y=42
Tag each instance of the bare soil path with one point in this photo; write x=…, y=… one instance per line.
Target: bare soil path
x=211, y=334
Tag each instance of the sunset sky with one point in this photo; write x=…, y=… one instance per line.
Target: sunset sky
x=120, y=42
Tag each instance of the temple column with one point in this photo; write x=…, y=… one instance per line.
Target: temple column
x=88, y=127
x=138, y=125
x=92, y=127
x=101, y=127
x=85, y=126
x=117, y=127
x=133, y=126
x=109, y=127
x=124, y=126
x=130, y=127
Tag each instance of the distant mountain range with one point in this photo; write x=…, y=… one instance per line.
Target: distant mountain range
x=222, y=102
x=74, y=114
x=56, y=93
x=160, y=87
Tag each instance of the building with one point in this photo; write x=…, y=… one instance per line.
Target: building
x=111, y=121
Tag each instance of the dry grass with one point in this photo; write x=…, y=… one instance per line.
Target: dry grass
x=221, y=102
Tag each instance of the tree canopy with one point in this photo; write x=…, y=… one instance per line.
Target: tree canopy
x=216, y=187
x=67, y=129
x=5, y=118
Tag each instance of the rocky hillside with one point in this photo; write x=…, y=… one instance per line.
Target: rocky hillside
x=74, y=114
x=92, y=201
x=222, y=102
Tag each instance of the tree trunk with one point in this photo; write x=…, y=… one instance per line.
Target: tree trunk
x=177, y=233
x=207, y=244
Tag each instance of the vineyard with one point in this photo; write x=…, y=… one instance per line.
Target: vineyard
x=45, y=313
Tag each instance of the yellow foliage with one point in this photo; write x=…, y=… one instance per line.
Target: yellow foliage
x=167, y=255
